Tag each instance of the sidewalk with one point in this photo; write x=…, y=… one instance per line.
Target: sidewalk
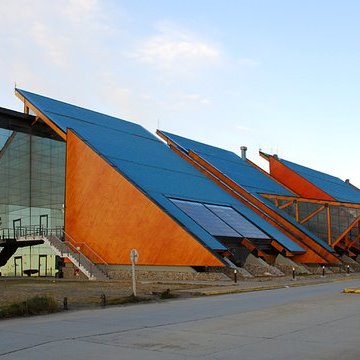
x=220, y=288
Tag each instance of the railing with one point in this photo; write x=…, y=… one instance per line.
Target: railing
x=80, y=253
x=86, y=249
x=30, y=231
x=83, y=258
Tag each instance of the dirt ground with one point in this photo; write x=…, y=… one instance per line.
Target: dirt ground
x=79, y=292
x=84, y=293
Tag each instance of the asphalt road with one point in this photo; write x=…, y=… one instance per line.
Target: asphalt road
x=310, y=322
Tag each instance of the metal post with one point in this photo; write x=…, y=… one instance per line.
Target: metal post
x=348, y=270
x=235, y=276
x=65, y=303
x=323, y=271
x=78, y=249
x=103, y=300
x=134, y=256
x=133, y=278
x=30, y=260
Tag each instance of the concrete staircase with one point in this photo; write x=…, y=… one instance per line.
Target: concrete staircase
x=68, y=250
x=65, y=249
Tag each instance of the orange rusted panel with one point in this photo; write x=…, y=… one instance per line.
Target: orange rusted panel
x=112, y=216
x=295, y=182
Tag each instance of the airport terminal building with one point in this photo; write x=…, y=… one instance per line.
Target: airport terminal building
x=88, y=187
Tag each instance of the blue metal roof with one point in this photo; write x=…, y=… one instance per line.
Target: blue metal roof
x=149, y=164
x=335, y=187
x=244, y=174
x=233, y=167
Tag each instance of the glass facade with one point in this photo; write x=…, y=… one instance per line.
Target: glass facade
x=32, y=181
x=341, y=218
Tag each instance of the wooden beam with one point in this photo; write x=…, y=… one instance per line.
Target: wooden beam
x=312, y=214
x=346, y=231
x=281, y=249
x=42, y=116
x=313, y=201
x=328, y=220
x=296, y=210
x=285, y=205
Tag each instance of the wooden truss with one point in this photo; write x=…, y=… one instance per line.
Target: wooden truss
x=343, y=241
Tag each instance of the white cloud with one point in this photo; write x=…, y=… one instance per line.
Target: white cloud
x=54, y=45
x=174, y=49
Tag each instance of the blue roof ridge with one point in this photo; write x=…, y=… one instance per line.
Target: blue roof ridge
x=152, y=137
x=201, y=143
x=75, y=106
x=312, y=172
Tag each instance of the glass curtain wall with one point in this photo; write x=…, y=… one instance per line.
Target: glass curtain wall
x=32, y=181
x=341, y=218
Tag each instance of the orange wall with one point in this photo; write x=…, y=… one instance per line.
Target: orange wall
x=112, y=216
x=296, y=182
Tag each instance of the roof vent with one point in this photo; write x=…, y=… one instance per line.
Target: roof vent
x=275, y=156
x=347, y=181
x=243, y=152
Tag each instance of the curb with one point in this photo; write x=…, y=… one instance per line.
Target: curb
x=234, y=290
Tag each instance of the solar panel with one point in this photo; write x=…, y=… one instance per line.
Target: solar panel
x=205, y=218
x=237, y=222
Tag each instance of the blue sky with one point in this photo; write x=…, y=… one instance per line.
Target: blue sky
x=282, y=76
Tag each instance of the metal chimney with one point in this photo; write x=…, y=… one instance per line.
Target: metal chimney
x=243, y=152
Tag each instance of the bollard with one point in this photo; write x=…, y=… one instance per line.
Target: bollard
x=348, y=270
x=103, y=300
x=323, y=271
x=235, y=276
x=65, y=303
x=293, y=273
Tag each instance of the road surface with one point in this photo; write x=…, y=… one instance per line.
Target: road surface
x=310, y=322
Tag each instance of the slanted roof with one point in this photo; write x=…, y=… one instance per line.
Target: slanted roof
x=149, y=164
x=233, y=166
x=244, y=174
x=332, y=185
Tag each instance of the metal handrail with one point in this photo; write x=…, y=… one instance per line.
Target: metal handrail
x=68, y=249
x=81, y=252
x=59, y=232
x=30, y=231
x=87, y=247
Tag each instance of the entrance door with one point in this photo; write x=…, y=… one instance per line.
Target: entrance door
x=42, y=265
x=44, y=224
x=17, y=227
x=18, y=266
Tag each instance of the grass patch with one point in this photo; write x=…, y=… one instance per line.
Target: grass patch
x=167, y=295
x=36, y=305
x=126, y=300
